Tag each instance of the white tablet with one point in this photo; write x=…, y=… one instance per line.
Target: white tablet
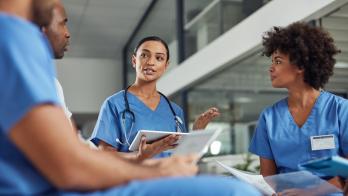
x=150, y=137
x=196, y=142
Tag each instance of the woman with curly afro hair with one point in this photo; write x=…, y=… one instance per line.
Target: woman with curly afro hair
x=309, y=123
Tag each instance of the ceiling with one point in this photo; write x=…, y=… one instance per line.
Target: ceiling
x=101, y=28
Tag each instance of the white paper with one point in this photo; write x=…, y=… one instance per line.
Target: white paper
x=256, y=180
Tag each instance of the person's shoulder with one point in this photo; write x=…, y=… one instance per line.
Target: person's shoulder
x=116, y=97
x=335, y=99
x=15, y=28
x=175, y=106
x=277, y=107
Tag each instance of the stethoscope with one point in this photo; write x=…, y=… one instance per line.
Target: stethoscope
x=179, y=123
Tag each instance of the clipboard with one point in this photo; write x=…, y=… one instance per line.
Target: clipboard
x=195, y=142
x=329, y=166
x=151, y=136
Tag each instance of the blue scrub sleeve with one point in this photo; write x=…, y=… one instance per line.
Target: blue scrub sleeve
x=343, y=124
x=259, y=144
x=107, y=127
x=26, y=77
x=185, y=186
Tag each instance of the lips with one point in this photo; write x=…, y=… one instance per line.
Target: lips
x=148, y=71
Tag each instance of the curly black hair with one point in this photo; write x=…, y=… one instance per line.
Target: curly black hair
x=310, y=48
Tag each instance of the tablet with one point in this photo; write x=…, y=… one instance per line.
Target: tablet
x=329, y=166
x=150, y=137
x=197, y=142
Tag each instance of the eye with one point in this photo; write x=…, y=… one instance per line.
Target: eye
x=277, y=62
x=143, y=55
x=160, y=58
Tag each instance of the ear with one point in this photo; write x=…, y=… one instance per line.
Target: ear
x=300, y=70
x=167, y=65
x=134, y=61
x=44, y=29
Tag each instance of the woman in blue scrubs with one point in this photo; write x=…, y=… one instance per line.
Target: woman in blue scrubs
x=40, y=151
x=141, y=106
x=310, y=122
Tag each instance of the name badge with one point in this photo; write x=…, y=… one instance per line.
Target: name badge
x=322, y=142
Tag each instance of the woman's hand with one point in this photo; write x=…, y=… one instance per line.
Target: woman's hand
x=203, y=119
x=147, y=150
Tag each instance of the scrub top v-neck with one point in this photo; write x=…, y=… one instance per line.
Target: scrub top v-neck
x=277, y=136
x=109, y=126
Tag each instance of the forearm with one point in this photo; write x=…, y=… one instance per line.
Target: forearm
x=98, y=169
x=267, y=167
x=56, y=151
x=130, y=156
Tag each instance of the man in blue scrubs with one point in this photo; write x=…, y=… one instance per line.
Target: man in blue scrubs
x=41, y=153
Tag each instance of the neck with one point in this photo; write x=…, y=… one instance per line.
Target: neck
x=142, y=89
x=303, y=97
x=20, y=8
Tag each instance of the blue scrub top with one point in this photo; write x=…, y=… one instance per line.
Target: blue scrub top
x=109, y=126
x=277, y=136
x=26, y=80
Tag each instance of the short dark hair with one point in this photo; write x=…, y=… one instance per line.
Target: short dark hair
x=310, y=48
x=152, y=38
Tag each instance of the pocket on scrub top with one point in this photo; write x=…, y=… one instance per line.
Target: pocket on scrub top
x=316, y=154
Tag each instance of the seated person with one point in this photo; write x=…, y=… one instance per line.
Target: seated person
x=302, y=62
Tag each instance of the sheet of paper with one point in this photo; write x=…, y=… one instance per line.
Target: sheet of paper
x=256, y=180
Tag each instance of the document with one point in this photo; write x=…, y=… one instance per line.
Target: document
x=254, y=179
x=190, y=143
x=329, y=166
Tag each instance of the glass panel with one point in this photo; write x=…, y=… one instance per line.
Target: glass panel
x=337, y=25
x=160, y=22
x=241, y=92
x=207, y=21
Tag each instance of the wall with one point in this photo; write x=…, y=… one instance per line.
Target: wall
x=87, y=82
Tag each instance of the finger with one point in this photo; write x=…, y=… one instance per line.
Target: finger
x=192, y=158
x=142, y=144
x=165, y=141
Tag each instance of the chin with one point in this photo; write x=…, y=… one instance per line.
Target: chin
x=277, y=86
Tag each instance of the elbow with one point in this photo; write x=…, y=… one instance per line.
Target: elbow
x=67, y=180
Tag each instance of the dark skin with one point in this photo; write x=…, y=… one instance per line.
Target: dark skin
x=47, y=139
x=301, y=100
x=57, y=31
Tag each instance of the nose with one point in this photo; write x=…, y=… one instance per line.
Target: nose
x=151, y=61
x=271, y=68
x=67, y=32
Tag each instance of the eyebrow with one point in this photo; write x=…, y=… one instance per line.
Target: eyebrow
x=146, y=50
x=277, y=57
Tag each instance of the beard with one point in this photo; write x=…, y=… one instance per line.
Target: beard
x=43, y=11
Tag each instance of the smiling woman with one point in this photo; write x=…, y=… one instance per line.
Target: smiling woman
x=141, y=106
